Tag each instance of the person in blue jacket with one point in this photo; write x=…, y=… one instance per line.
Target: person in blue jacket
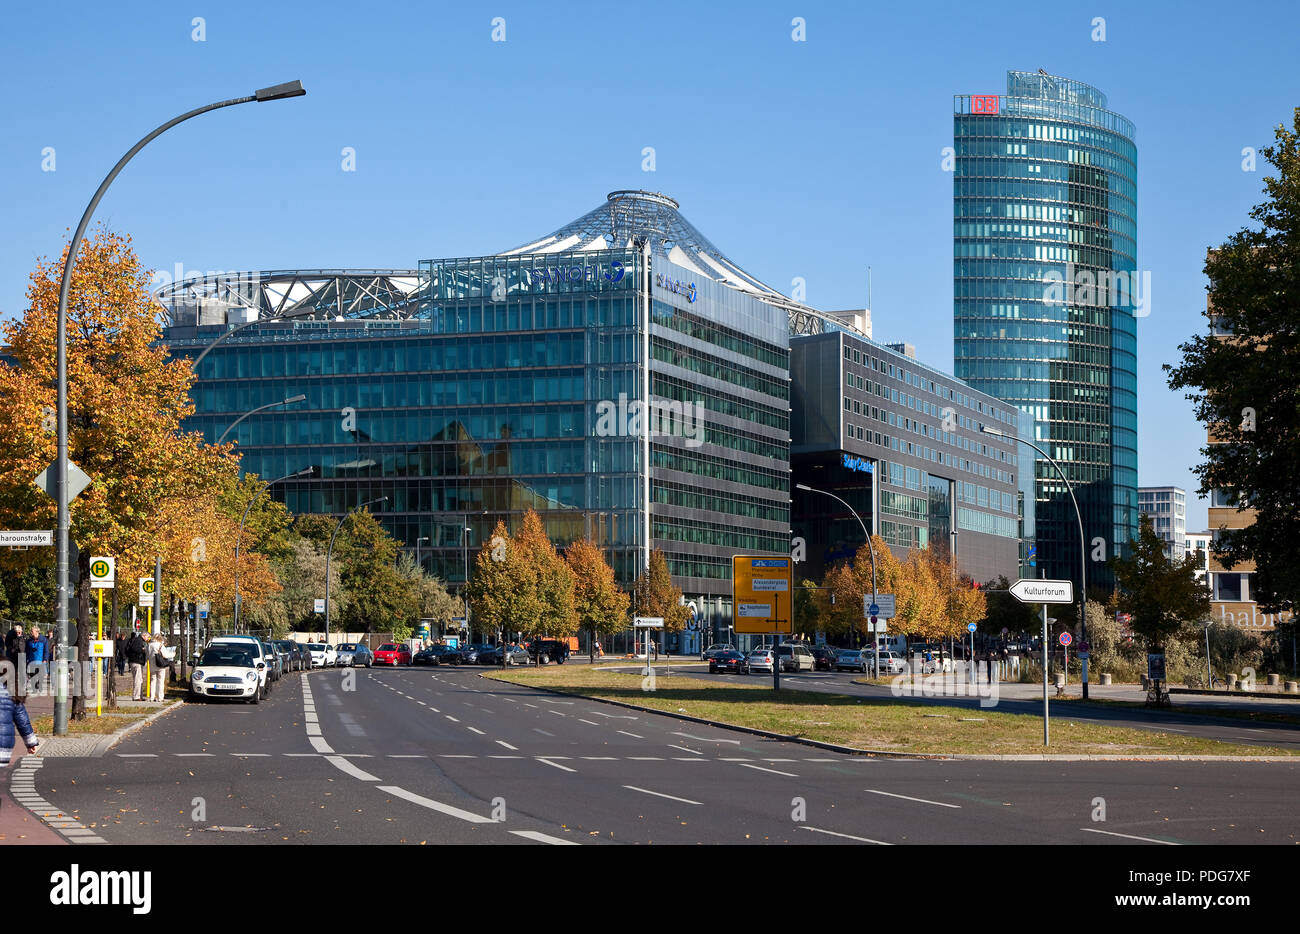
x=14, y=719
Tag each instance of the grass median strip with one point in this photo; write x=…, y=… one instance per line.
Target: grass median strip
x=886, y=724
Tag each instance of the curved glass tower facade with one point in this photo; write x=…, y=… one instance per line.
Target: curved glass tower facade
x=1046, y=295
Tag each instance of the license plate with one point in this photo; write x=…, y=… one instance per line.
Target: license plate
x=226, y=690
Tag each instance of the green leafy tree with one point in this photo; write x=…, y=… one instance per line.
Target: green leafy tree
x=430, y=599
x=1243, y=381
x=1003, y=611
x=1163, y=596
x=376, y=596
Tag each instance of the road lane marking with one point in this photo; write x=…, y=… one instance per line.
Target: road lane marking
x=405, y=756
x=704, y=739
x=451, y=718
x=343, y=765
x=557, y=713
x=684, y=749
x=746, y=765
x=137, y=755
x=1128, y=836
x=611, y=716
x=319, y=744
x=505, y=757
x=847, y=836
x=626, y=733
x=589, y=722
x=644, y=759
x=555, y=764
x=890, y=794
x=600, y=758
x=660, y=794
x=432, y=805
x=250, y=755
x=192, y=755
x=543, y=838
x=538, y=729
x=502, y=742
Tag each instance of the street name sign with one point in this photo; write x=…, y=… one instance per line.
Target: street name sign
x=648, y=622
x=103, y=572
x=761, y=590
x=1041, y=591
x=26, y=539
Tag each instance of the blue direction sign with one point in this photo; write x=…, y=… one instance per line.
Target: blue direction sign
x=873, y=610
x=1033, y=556
x=970, y=627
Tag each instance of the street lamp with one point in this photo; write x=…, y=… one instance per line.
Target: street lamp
x=1083, y=547
x=875, y=642
x=330, y=551
x=261, y=408
x=273, y=93
x=307, y=471
x=418, y=562
x=464, y=589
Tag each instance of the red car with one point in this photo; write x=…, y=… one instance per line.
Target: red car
x=391, y=653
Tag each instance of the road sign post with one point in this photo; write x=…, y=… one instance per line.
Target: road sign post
x=761, y=590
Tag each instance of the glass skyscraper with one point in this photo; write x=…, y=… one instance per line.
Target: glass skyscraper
x=1046, y=295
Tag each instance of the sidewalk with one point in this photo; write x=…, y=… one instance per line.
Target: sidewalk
x=17, y=824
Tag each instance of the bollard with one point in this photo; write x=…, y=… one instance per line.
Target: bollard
x=1105, y=679
x=1292, y=687
x=1274, y=680
x=1232, y=682
x=1060, y=684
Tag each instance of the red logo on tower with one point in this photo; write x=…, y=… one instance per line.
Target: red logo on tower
x=983, y=103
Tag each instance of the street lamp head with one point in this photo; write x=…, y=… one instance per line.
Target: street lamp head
x=278, y=92
x=292, y=399
x=803, y=486
x=992, y=431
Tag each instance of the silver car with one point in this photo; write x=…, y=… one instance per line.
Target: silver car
x=795, y=657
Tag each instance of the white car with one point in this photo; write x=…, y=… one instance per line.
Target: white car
x=889, y=663
x=795, y=657
x=254, y=647
x=322, y=655
x=228, y=670
x=760, y=659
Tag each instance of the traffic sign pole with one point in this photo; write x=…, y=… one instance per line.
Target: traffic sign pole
x=99, y=662
x=1045, y=726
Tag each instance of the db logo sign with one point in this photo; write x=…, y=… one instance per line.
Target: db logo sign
x=984, y=103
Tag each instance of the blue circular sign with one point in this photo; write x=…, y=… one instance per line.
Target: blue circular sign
x=874, y=609
x=970, y=627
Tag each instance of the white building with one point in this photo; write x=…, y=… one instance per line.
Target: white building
x=1198, y=543
x=1167, y=507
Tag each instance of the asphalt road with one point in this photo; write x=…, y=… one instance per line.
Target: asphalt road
x=444, y=756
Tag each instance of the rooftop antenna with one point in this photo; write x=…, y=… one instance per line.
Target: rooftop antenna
x=868, y=288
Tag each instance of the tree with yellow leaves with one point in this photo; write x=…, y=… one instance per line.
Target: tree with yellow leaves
x=126, y=401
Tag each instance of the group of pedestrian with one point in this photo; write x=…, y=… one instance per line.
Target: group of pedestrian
x=143, y=650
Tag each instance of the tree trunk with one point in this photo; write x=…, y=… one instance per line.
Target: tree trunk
x=82, y=644
x=111, y=680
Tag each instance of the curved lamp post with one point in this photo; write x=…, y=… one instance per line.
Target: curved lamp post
x=274, y=93
x=308, y=471
x=1083, y=547
x=261, y=408
x=330, y=551
x=875, y=643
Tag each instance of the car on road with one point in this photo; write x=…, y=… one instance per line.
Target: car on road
x=393, y=653
x=853, y=660
x=794, y=657
x=890, y=663
x=514, y=655
x=823, y=657
x=354, y=655
x=262, y=659
x=760, y=659
x=729, y=661
x=228, y=670
x=320, y=655
x=437, y=655
x=548, y=650
x=469, y=654
x=717, y=648
x=295, y=653
x=281, y=660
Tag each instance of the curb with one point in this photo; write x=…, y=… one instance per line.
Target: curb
x=102, y=744
x=888, y=754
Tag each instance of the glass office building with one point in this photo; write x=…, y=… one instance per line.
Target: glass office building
x=621, y=376
x=1046, y=295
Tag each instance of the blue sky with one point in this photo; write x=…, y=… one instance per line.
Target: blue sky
x=811, y=159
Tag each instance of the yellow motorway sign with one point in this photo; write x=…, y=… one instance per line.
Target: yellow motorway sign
x=761, y=591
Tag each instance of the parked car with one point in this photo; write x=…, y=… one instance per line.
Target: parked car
x=262, y=661
x=548, y=650
x=438, y=655
x=760, y=659
x=717, y=648
x=794, y=657
x=355, y=655
x=295, y=653
x=823, y=657
x=274, y=661
x=514, y=655
x=469, y=654
x=320, y=655
x=853, y=660
x=228, y=670
x=889, y=662
x=393, y=653
x=728, y=660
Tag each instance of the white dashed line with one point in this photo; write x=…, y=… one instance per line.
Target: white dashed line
x=1128, y=836
x=473, y=729
x=684, y=749
x=847, y=836
x=543, y=838
x=502, y=742
x=555, y=764
x=890, y=794
x=432, y=805
x=626, y=733
x=660, y=794
x=746, y=765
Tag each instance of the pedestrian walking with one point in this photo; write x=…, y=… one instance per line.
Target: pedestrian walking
x=38, y=655
x=161, y=658
x=137, y=653
x=14, y=719
x=119, y=652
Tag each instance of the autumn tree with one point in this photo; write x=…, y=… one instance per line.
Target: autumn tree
x=501, y=589
x=550, y=576
x=655, y=594
x=600, y=605
x=126, y=402
x=850, y=583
